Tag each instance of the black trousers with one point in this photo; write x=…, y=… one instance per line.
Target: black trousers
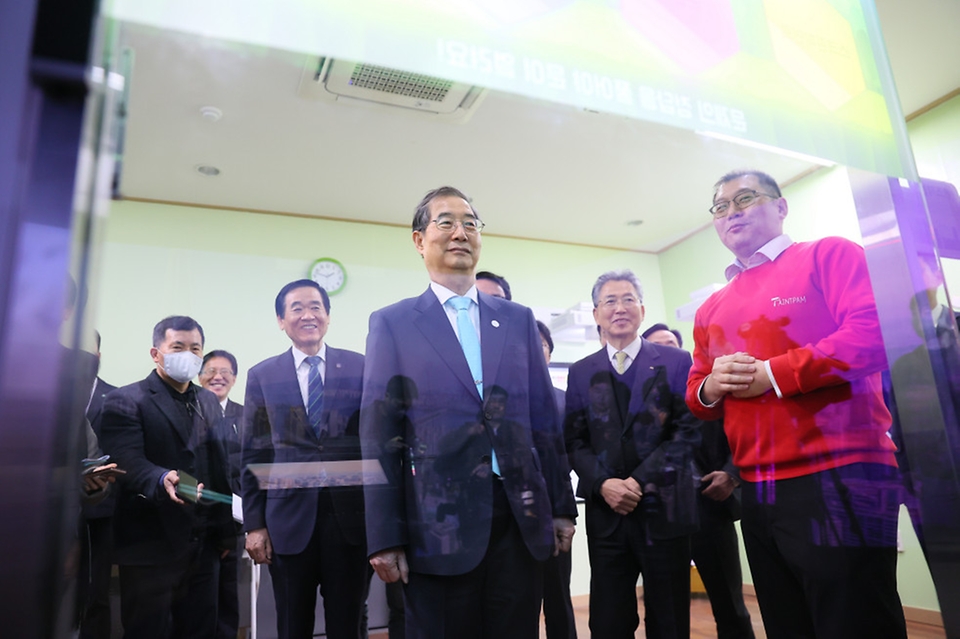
x=93, y=586
x=615, y=564
x=822, y=550
x=499, y=599
x=557, y=607
x=338, y=567
x=228, y=597
x=716, y=551
x=174, y=600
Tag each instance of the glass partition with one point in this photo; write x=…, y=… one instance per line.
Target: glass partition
x=246, y=147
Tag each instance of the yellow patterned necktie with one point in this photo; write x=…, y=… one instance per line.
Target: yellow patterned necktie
x=621, y=358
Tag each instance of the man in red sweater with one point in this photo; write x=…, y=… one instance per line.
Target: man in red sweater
x=789, y=355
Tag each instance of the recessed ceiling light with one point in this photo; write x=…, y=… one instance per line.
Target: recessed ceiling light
x=211, y=114
x=207, y=170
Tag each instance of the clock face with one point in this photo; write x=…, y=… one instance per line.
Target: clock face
x=329, y=274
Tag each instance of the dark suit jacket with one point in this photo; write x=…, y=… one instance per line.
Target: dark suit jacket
x=95, y=409
x=276, y=430
x=105, y=507
x=229, y=433
x=145, y=433
x=440, y=435
x=714, y=454
x=653, y=443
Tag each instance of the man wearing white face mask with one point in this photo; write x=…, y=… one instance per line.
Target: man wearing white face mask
x=167, y=541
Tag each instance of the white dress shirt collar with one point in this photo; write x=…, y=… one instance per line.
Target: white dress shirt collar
x=766, y=253
x=632, y=350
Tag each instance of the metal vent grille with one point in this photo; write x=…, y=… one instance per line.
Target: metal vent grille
x=386, y=80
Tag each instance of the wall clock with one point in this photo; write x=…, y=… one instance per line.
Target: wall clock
x=330, y=274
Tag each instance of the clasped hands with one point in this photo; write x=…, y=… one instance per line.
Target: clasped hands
x=739, y=374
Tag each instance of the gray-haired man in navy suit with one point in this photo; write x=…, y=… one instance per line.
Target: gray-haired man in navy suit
x=479, y=494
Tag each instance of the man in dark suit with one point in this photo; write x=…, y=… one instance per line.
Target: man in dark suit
x=168, y=539
x=474, y=510
x=218, y=375
x=716, y=546
x=96, y=537
x=303, y=406
x=631, y=441
x=558, y=615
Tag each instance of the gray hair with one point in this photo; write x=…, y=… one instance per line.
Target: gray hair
x=421, y=217
x=625, y=275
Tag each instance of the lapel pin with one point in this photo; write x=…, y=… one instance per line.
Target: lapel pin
x=495, y=323
x=338, y=364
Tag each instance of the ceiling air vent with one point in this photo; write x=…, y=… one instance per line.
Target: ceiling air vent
x=342, y=81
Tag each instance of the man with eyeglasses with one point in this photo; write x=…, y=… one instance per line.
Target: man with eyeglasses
x=789, y=355
x=303, y=406
x=218, y=375
x=469, y=512
x=631, y=441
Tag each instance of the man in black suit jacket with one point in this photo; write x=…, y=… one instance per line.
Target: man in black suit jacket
x=308, y=535
x=168, y=540
x=478, y=491
x=716, y=546
x=218, y=375
x=631, y=441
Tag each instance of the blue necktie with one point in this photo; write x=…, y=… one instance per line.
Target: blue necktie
x=314, y=394
x=470, y=343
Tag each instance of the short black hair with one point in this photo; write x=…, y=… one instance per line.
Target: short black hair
x=663, y=327
x=545, y=334
x=499, y=279
x=421, y=217
x=225, y=355
x=281, y=300
x=174, y=323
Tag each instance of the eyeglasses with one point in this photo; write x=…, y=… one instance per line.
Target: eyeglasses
x=743, y=201
x=212, y=372
x=471, y=225
x=628, y=301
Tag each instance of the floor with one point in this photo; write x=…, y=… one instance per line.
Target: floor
x=701, y=622
x=702, y=626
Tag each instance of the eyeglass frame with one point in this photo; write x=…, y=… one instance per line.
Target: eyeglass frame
x=225, y=372
x=733, y=201
x=455, y=222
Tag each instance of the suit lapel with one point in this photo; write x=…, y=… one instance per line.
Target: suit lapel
x=650, y=372
x=493, y=335
x=432, y=321
x=331, y=385
x=168, y=406
x=287, y=393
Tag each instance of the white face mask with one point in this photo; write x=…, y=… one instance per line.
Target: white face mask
x=182, y=366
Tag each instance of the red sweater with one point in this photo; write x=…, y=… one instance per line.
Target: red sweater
x=811, y=312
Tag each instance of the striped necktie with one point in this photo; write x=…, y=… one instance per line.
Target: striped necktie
x=314, y=394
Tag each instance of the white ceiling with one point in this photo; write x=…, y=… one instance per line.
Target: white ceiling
x=534, y=169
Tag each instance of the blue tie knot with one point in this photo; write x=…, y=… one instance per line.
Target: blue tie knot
x=459, y=302
x=313, y=360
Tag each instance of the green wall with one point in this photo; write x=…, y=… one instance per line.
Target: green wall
x=224, y=268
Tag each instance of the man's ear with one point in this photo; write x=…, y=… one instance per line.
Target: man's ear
x=418, y=241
